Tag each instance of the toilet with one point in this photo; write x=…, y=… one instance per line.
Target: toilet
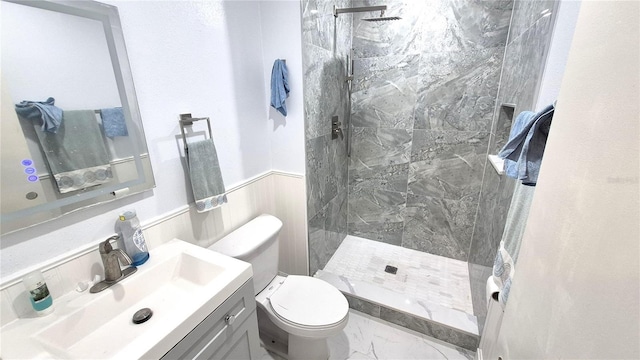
x=307, y=309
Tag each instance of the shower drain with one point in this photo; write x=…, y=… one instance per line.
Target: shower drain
x=391, y=269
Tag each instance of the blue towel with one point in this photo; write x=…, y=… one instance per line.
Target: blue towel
x=523, y=120
x=526, y=147
x=279, y=86
x=50, y=115
x=113, y=122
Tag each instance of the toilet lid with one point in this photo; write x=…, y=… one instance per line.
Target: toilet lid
x=309, y=301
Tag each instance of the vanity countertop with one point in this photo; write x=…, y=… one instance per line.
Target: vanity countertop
x=181, y=283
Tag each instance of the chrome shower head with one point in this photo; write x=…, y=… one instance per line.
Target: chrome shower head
x=382, y=17
x=388, y=18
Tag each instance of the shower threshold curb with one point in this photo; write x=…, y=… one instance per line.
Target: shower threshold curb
x=450, y=325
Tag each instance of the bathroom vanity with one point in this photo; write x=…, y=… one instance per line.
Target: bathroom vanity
x=202, y=302
x=230, y=332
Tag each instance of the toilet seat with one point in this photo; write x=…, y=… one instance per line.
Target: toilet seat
x=308, y=306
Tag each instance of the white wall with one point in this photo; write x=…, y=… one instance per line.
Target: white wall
x=577, y=290
x=201, y=57
x=565, y=24
x=77, y=72
x=282, y=39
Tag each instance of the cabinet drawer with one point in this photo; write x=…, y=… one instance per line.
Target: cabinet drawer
x=217, y=328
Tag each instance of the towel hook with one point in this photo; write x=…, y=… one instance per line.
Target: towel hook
x=188, y=120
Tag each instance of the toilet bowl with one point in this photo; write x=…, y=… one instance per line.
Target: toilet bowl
x=304, y=306
x=309, y=310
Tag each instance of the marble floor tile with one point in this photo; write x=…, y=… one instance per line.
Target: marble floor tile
x=366, y=337
x=436, y=279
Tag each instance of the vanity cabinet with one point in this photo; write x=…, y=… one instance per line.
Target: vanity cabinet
x=229, y=332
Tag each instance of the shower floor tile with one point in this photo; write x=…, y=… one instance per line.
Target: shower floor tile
x=437, y=279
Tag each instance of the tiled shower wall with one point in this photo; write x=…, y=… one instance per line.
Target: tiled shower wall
x=326, y=42
x=525, y=56
x=423, y=102
x=523, y=67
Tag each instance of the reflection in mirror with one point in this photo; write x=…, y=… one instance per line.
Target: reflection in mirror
x=71, y=130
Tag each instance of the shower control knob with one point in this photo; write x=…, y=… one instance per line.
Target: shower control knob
x=337, y=132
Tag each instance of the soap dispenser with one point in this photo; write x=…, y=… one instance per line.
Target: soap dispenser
x=38, y=293
x=128, y=228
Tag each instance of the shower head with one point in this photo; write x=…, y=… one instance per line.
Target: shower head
x=382, y=18
x=388, y=18
x=381, y=8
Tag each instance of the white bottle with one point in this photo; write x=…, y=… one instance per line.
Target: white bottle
x=39, y=295
x=128, y=228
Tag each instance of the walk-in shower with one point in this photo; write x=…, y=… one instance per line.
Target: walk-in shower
x=418, y=98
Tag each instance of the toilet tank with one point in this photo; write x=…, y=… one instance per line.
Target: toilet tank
x=255, y=242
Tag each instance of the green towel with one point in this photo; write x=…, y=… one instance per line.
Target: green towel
x=77, y=154
x=205, y=175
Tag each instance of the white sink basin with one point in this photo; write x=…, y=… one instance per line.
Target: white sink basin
x=181, y=283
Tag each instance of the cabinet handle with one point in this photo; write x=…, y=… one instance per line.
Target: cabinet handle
x=229, y=319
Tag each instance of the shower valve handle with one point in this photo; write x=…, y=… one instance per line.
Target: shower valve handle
x=335, y=128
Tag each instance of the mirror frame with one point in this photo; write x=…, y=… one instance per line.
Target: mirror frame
x=109, y=17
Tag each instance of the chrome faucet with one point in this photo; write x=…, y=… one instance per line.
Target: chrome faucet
x=111, y=259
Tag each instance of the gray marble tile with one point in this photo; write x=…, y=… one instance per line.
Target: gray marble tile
x=501, y=128
x=478, y=275
x=325, y=91
x=457, y=90
x=319, y=249
x=322, y=184
x=390, y=177
x=327, y=172
x=528, y=12
x=439, y=226
x=327, y=229
x=432, y=26
x=523, y=65
x=363, y=306
x=385, y=91
x=383, y=38
x=481, y=251
x=376, y=214
x=389, y=106
x=464, y=25
x=380, y=71
x=499, y=217
x=379, y=147
x=336, y=218
x=380, y=159
x=447, y=164
x=322, y=29
x=435, y=330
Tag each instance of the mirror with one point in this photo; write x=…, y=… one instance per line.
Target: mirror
x=75, y=138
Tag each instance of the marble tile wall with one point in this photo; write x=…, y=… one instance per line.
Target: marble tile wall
x=326, y=42
x=524, y=60
x=525, y=56
x=424, y=93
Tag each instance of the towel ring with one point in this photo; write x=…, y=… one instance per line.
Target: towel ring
x=187, y=120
